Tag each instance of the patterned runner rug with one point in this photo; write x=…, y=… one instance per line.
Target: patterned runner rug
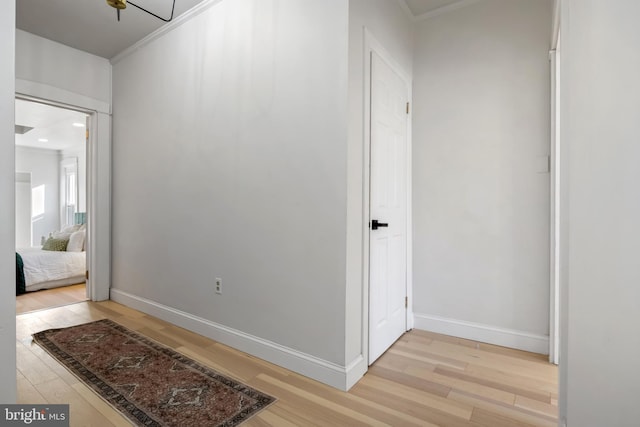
x=149, y=383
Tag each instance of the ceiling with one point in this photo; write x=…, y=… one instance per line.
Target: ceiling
x=53, y=124
x=91, y=25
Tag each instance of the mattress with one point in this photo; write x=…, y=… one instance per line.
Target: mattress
x=50, y=269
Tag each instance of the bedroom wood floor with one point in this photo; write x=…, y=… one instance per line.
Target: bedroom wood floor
x=425, y=379
x=48, y=298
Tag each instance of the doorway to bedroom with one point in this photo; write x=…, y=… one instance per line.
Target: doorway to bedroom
x=51, y=205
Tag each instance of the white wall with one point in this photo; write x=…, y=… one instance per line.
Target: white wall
x=600, y=101
x=387, y=22
x=7, y=220
x=480, y=203
x=229, y=161
x=44, y=166
x=45, y=62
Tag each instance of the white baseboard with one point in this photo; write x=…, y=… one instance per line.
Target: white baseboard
x=340, y=377
x=483, y=333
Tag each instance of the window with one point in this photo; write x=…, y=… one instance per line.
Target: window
x=37, y=202
x=69, y=190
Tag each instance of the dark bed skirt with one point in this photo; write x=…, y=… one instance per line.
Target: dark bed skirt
x=20, y=283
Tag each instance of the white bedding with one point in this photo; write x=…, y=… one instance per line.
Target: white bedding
x=50, y=269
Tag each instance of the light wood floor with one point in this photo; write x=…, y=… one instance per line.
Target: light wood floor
x=48, y=298
x=425, y=379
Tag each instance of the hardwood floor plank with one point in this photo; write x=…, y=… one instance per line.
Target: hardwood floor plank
x=268, y=418
x=511, y=352
x=101, y=406
x=310, y=411
x=400, y=363
x=542, y=371
x=81, y=412
x=518, y=388
x=422, y=350
x=508, y=411
x=536, y=406
x=410, y=380
x=31, y=366
x=290, y=415
x=185, y=337
x=159, y=336
x=415, y=336
x=380, y=412
x=52, y=364
x=28, y=391
x=48, y=298
x=429, y=415
x=492, y=419
x=418, y=397
x=462, y=385
x=428, y=358
x=352, y=417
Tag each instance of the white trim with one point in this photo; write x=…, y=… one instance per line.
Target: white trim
x=371, y=44
x=355, y=370
x=409, y=186
x=187, y=16
x=555, y=31
x=39, y=91
x=552, y=212
x=366, y=136
x=484, y=333
x=99, y=206
x=444, y=9
x=340, y=377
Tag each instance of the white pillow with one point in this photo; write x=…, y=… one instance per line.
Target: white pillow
x=76, y=241
x=65, y=232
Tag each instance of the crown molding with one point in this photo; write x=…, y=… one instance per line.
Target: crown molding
x=187, y=16
x=444, y=9
x=405, y=7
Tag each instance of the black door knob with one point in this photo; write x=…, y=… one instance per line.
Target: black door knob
x=375, y=224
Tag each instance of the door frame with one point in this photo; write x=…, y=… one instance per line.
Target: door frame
x=98, y=177
x=371, y=44
x=555, y=193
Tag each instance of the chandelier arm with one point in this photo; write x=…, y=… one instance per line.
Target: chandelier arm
x=151, y=13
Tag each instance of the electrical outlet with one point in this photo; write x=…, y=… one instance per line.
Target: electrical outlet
x=218, y=285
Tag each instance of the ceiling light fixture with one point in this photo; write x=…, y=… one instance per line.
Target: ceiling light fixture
x=122, y=4
x=43, y=140
x=79, y=125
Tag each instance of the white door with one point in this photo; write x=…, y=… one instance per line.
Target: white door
x=388, y=208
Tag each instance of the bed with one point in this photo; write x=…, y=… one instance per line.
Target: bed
x=60, y=262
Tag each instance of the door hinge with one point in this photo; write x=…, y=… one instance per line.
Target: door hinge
x=406, y=302
x=407, y=108
x=87, y=274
